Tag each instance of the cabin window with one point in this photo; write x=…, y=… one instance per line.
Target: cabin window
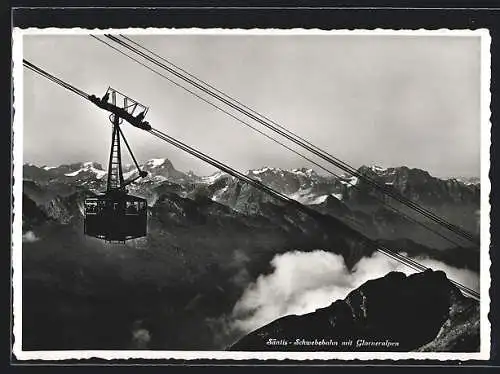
x=91, y=207
x=132, y=207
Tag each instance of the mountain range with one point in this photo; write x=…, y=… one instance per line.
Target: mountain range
x=345, y=197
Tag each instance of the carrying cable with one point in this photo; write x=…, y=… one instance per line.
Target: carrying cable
x=257, y=184
x=245, y=123
x=311, y=148
x=43, y=73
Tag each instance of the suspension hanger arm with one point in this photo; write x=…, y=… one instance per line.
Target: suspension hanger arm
x=142, y=173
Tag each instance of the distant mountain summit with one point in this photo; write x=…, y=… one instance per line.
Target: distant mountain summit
x=158, y=169
x=420, y=186
x=93, y=174
x=468, y=180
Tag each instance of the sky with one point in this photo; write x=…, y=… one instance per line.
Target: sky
x=388, y=100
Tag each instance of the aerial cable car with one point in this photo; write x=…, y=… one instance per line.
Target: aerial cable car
x=115, y=215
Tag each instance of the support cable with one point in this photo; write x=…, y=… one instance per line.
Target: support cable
x=382, y=249
x=245, y=123
x=43, y=73
x=315, y=150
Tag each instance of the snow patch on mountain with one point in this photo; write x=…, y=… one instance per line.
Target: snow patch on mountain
x=88, y=167
x=260, y=171
x=377, y=168
x=130, y=174
x=318, y=200
x=350, y=181
x=307, y=197
x=217, y=196
x=159, y=178
x=468, y=181
x=155, y=162
x=303, y=172
x=209, y=179
x=300, y=172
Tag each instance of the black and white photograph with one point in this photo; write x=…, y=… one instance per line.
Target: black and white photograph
x=251, y=194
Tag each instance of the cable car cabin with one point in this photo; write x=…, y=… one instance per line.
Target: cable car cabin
x=115, y=218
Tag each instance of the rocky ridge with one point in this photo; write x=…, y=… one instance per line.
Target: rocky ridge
x=420, y=312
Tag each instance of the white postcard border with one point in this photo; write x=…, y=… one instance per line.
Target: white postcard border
x=485, y=263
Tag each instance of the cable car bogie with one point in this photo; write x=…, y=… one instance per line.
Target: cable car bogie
x=116, y=216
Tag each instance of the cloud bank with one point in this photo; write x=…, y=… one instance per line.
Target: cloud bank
x=305, y=281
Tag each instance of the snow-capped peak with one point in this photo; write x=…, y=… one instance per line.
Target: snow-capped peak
x=88, y=167
x=155, y=162
x=307, y=197
x=377, y=168
x=303, y=171
x=263, y=170
x=468, y=181
x=260, y=171
x=209, y=179
x=49, y=167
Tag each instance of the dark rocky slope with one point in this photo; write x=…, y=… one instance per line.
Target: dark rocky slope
x=81, y=293
x=423, y=311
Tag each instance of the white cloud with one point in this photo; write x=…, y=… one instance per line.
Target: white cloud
x=305, y=281
x=29, y=237
x=140, y=336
